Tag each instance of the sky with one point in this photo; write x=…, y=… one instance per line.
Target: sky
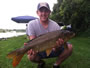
x=14, y=8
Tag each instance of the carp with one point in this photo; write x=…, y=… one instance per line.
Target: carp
x=44, y=42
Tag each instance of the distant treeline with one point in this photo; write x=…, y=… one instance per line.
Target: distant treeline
x=9, y=30
x=74, y=12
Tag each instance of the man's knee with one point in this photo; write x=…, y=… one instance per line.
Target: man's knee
x=69, y=49
x=34, y=58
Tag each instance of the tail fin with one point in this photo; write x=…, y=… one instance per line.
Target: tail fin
x=16, y=57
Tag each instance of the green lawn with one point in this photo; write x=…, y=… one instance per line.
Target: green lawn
x=80, y=57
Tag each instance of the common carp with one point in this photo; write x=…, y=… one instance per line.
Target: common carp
x=44, y=42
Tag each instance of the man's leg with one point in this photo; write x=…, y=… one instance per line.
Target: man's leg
x=36, y=59
x=64, y=55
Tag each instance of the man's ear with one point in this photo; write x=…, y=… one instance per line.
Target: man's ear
x=49, y=12
x=37, y=12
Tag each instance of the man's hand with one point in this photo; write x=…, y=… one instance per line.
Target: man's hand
x=59, y=43
x=31, y=54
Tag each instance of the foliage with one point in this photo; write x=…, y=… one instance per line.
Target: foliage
x=74, y=12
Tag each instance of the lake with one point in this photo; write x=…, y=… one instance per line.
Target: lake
x=11, y=34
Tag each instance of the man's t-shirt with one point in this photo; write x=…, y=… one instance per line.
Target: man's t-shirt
x=35, y=28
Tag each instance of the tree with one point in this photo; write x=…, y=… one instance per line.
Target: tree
x=74, y=12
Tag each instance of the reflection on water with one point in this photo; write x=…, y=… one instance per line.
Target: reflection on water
x=11, y=34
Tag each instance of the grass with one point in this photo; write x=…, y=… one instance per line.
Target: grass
x=80, y=57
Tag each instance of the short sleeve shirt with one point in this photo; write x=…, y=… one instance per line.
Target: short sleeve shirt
x=35, y=27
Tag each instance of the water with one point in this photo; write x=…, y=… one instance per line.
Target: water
x=11, y=34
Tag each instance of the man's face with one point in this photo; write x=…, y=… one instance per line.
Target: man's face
x=43, y=13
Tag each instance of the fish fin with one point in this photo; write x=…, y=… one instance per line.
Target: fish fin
x=48, y=51
x=16, y=57
x=16, y=60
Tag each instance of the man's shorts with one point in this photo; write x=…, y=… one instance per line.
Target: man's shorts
x=43, y=54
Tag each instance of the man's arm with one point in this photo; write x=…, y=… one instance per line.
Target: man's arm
x=32, y=37
x=31, y=54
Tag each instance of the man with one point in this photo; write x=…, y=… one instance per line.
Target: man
x=41, y=26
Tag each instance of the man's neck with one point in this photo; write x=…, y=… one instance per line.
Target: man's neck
x=44, y=23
